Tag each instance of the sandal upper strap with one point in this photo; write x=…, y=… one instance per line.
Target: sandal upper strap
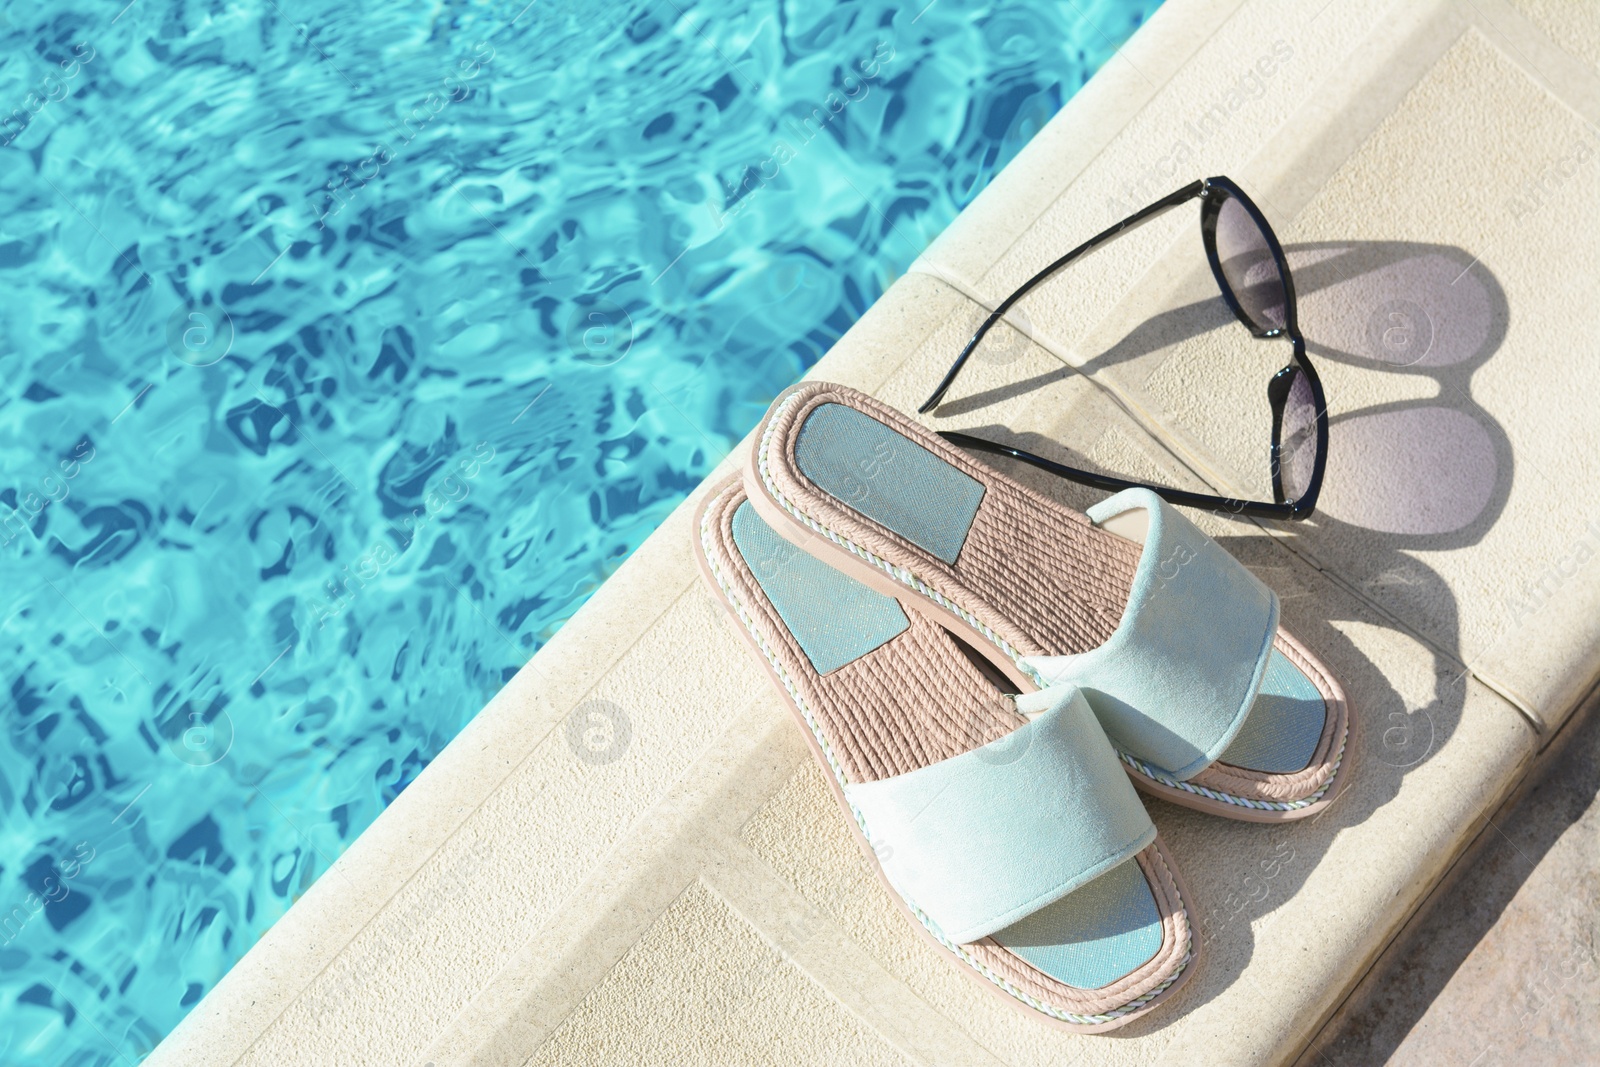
x=1176, y=681
x=983, y=839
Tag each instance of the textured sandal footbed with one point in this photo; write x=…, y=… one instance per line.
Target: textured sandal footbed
x=904, y=487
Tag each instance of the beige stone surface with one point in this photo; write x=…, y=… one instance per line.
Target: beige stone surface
x=626, y=857
x=1443, y=262
x=685, y=1004
x=1567, y=23
x=1504, y=969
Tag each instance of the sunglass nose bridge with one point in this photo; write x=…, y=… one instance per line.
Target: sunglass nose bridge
x=1279, y=384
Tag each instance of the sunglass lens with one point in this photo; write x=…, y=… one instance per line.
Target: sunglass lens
x=1297, y=438
x=1249, y=267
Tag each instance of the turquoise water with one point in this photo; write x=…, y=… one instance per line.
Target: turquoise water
x=347, y=350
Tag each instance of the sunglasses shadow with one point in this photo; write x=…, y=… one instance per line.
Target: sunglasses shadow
x=1431, y=474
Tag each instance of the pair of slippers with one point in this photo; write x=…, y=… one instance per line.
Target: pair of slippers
x=986, y=675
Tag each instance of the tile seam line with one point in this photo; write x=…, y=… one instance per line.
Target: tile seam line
x=1504, y=40
x=1541, y=730
x=741, y=853
x=1405, y=628
x=1547, y=755
x=749, y=855
x=654, y=918
x=449, y=836
x=1188, y=457
x=622, y=838
x=929, y=267
x=647, y=924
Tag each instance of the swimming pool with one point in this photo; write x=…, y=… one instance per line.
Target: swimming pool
x=348, y=350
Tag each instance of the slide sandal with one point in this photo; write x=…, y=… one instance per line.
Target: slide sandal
x=1175, y=644
x=1003, y=826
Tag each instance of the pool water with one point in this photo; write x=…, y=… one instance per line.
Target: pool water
x=348, y=349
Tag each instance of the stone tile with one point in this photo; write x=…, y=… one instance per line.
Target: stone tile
x=1442, y=297
x=1296, y=914
x=702, y=986
x=692, y=837
x=1505, y=968
x=1249, y=70
x=532, y=837
x=1449, y=489
x=1573, y=28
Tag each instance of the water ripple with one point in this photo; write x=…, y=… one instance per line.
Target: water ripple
x=347, y=349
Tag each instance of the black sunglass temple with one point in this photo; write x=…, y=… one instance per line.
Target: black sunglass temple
x=1277, y=391
x=1138, y=218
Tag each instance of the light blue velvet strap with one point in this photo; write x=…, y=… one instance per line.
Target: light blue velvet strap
x=983, y=839
x=1175, y=682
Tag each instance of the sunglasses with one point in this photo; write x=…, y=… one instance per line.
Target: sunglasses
x=1253, y=275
